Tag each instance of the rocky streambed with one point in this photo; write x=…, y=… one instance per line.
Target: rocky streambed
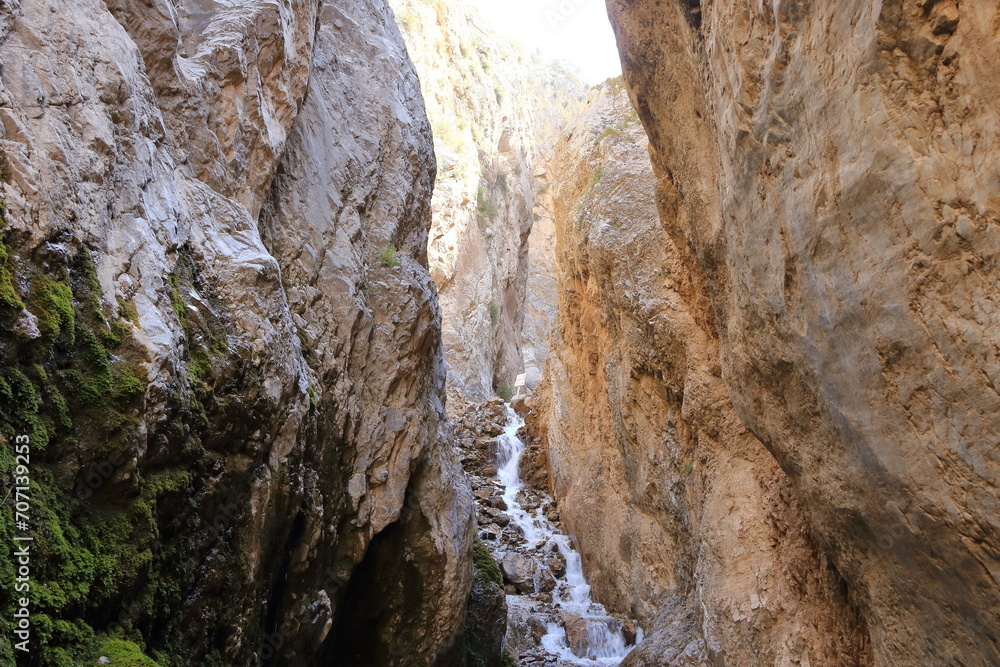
x=552, y=619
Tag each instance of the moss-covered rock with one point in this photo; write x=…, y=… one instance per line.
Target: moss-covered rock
x=486, y=567
x=486, y=618
x=123, y=653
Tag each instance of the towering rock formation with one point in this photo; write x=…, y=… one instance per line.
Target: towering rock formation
x=829, y=172
x=221, y=336
x=684, y=519
x=495, y=112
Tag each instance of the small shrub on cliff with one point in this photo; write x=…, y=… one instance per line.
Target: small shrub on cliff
x=494, y=312
x=488, y=210
x=505, y=392
x=608, y=132
x=388, y=257
x=598, y=175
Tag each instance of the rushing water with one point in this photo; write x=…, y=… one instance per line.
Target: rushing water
x=605, y=645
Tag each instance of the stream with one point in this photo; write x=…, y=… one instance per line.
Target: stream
x=579, y=631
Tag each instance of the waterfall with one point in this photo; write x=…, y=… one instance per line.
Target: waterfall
x=603, y=643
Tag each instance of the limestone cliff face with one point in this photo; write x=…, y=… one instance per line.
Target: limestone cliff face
x=221, y=335
x=684, y=519
x=833, y=169
x=494, y=111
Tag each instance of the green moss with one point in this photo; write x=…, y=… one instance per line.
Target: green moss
x=123, y=653
x=86, y=554
x=9, y=298
x=176, y=301
x=129, y=312
x=484, y=563
x=126, y=382
x=64, y=643
x=51, y=301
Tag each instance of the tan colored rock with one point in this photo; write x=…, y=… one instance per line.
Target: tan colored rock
x=278, y=448
x=833, y=169
x=495, y=111
x=684, y=520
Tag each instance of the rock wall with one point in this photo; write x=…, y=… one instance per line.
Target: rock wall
x=494, y=111
x=832, y=168
x=221, y=336
x=684, y=519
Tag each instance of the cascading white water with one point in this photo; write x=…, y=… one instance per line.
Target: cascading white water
x=605, y=643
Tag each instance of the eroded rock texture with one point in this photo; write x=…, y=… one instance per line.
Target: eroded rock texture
x=833, y=168
x=685, y=521
x=221, y=334
x=495, y=111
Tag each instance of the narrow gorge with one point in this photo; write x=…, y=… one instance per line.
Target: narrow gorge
x=376, y=333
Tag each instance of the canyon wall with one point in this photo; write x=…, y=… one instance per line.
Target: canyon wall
x=222, y=338
x=684, y=520
x=495, y=112
x=829, y=173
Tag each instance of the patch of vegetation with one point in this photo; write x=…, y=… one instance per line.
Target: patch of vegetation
x=508, y=661
x=487, y=207
x=303, y=340
x=598, y=175
x=388, y=257
x=502, y=182
x=608, y=132
x=9, y=298
x=484, y=563
x=130, y=543
x=123, y=653
x=505, y=392
x=87, y=553
x=688, y=469
x=4, y=167
x=494, y=312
